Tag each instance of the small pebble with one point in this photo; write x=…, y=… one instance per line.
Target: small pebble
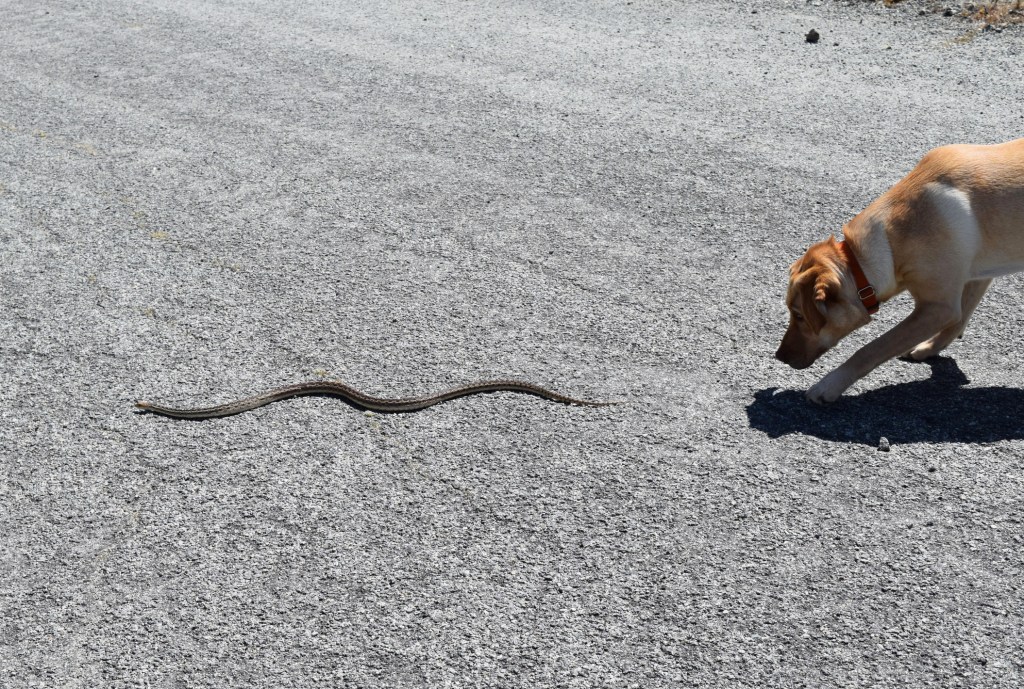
x=812, y=36
x=883, y=444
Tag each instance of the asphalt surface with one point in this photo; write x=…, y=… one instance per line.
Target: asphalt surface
x=200, y=200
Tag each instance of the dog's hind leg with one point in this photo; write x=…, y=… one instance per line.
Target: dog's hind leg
x=972, y=294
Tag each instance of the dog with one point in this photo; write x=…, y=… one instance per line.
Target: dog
x=942, y=233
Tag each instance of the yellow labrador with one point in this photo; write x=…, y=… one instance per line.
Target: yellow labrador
x=941, y=233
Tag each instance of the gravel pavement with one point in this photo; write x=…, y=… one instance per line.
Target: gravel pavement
x=200, y=200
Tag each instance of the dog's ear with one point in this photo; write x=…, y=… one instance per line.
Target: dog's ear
x=826, y=289
x=812, y=309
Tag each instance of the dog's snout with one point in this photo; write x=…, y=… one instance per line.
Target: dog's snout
x=787, y=356
x=796, y=359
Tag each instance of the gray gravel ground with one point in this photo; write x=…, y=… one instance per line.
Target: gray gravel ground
x=199, y=200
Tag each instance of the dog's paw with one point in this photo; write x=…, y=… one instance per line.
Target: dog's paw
x=925, y=350
x=829, y=388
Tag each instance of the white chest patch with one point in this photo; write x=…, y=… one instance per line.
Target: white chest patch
x=954, y=206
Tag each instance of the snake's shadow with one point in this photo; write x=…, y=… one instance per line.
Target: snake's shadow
x=938, y=409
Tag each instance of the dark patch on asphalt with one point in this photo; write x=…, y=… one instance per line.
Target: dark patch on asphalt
x=939, y=409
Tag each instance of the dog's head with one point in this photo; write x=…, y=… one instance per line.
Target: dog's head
x=823, y=305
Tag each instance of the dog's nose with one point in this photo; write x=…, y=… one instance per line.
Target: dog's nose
x=791, y=360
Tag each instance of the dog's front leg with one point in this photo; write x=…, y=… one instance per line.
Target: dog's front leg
x=973, y=292
x=923, y=322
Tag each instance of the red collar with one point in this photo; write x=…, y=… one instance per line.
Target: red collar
x=864, y=289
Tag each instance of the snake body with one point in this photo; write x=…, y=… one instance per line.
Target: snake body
x=361, y=399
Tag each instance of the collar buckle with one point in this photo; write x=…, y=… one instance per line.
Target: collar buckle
x=865, y=290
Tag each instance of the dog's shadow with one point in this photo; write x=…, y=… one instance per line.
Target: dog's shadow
x=938, y=409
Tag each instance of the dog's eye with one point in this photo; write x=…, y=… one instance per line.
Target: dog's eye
x=797, y=316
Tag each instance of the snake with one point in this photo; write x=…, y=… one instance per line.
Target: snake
x=362, y=400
